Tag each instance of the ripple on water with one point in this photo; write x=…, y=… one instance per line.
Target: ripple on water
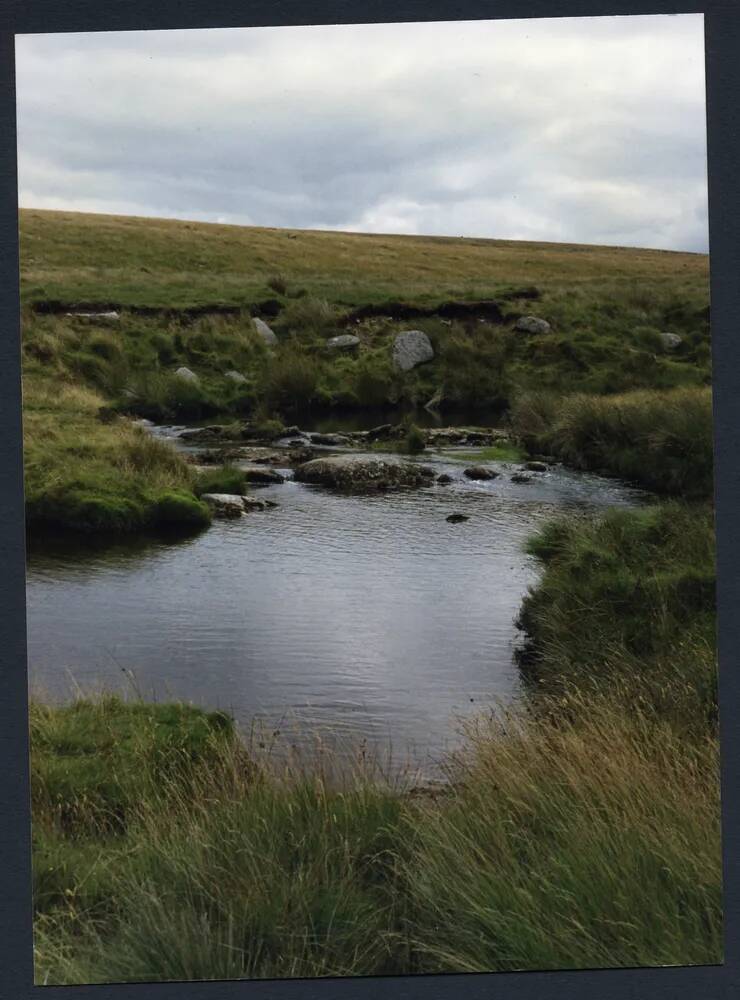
x=368, y=616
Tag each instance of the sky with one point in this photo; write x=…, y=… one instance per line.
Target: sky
x=587, y=130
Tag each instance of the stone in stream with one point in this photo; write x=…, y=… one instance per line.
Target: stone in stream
x=411, y=348
x=186, y=374
x=480, y=472
x=457, y=518
x=519, y=477
x=358, y=472
x=234, y=505
x=224, y=504
x=444, y=479
x=328, y=439
x=266, y=333
x=382, y=431
x=262, y=477
x=532, y=324
x=535, y=466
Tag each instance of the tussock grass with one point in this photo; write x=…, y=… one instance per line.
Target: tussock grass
x=662, y=440
x=87, y=475
x=629, y=596
x=586, y=837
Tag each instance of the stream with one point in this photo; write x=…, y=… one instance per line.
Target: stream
x=365, y=620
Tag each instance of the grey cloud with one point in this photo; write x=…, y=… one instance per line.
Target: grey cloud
x=589, y=130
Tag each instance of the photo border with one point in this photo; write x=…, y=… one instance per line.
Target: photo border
x=722, y=35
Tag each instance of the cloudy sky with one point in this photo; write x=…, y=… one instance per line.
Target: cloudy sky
x=586, y=129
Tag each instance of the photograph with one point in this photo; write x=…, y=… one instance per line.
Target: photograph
x=369, y=499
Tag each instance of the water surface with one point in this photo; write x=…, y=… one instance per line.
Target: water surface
x=368, y=617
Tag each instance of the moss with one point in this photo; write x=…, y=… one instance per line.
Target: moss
x=225, y=479
x=179, y=508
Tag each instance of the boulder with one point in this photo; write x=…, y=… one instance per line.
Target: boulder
x=265, y=332
x=328, y=439
x=185, y=374
x=252, y=503
x=671, y=341
x=107, y=316
x=480, y=472
x=354, y=471
x=535, y=466
x=519, y=477
x=457, y=518
x=236, y=377
x=261, y=476
x=411, y=348
x=532, y=324
x=224, y=504
x=444, y=479
x=377, y=433
x=345, y=342
x=203, y=433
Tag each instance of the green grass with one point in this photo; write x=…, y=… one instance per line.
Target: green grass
x=587, y=841
x=629, y=595
x=607, y=307
x=90, y=475
x=503, y=452
x=661, y=440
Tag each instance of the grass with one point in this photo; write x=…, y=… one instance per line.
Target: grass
x=629, y=595
x=503, y=452
x=93, y=476
x=661, y=440
x=187, y=861
x=605, y=330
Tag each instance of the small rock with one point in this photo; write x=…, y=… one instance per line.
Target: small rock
x=224, y=504
x=185, y=374
x=535, y=466
x=480, y=472
x=328, y=439
x=345, y=342
x=234, y=376
x=382, y=431
x=267, y=334
x=671, y=341
x=532, y=324
x=444, y=479
x=263, y=477
x=519, y=477
x=457, y=518
x=252, y=503
x=411, y=348
x=108, y=316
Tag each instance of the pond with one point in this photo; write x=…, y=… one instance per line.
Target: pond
x=367, y=619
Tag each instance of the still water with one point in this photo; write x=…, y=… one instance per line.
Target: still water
x=366, y=618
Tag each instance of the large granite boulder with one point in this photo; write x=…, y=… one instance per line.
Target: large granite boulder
x=265, y=332
x=411, y=348
x=261, y=476
x=362, y=472
x=480, y=472
x=532, y=324
x=224, y=504
x=671, y=341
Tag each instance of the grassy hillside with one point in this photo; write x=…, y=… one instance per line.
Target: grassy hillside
x=133, y=261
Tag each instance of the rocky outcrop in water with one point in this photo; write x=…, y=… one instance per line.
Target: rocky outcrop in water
x=261, y=476
x=480, y=472
x=228, y=505
x=535, y=466
x=411, y=348
x=359, y=472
